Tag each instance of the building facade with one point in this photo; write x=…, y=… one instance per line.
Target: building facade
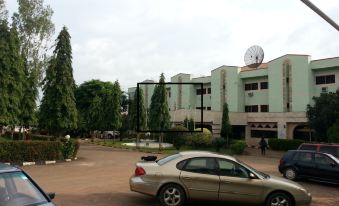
x=269, y=101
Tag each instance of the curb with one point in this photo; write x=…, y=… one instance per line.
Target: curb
x=49, y=162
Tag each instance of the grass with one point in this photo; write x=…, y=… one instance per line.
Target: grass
x=171, y=150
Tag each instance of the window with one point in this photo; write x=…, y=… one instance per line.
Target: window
x=251, y=108
x=209, y=91
x=323, y=89
x=326, y=79
x=330, y=150
x=168, y=159
x=208, y=108
x=202, y=165
x=323, y=159
x=198, y=91
x=263, y=85
x=308, y=147
x=251, y=86
x=263, y=108
x=232, y=169
x=303, y=157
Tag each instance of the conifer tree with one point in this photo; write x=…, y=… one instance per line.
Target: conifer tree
x=58, y=111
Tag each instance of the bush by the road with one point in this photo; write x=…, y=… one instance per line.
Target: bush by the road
x=27, y=151
x=200, y=139
x=218, y=143
x=238, y=147
x=20, y=151
x=284, y=144
x=176, y=136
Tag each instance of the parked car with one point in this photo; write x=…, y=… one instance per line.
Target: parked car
x=332, y=149
x=208, y=176
x=311, y=165
x=110, y=134
x=17, y=188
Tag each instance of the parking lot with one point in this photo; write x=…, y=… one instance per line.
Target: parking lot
x=100, y=177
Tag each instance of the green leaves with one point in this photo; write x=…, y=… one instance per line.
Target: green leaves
x=133, y=113
x=159, y=117
x=226, y=128
x=58, y=112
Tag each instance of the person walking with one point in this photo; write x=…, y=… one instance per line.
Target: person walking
x=263, y=146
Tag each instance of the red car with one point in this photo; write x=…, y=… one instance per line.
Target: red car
x=332, y=149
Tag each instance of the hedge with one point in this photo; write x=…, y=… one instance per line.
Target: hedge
x=284, y=144
x=238, y=147
x=31, y=151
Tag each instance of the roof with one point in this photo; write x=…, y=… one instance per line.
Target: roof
x=261, y=66
x=8, y=168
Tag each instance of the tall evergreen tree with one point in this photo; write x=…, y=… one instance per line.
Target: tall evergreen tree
x=3, y=11
x=133, y=114
x=226, y=128
x=11, y=76
x=35, y=28
x=117, y=109
x=58, y=111
x=159, y=117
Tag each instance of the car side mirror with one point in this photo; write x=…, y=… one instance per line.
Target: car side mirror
x=252, y=176
x=51, y=195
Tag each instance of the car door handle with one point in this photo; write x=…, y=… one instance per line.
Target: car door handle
x=225, y=181
x=187, y=178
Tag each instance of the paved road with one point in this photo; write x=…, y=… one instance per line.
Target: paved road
x=100, y=177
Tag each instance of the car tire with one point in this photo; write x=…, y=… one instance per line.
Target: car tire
x=290, y=173
x=172, y=195
x=279, y=198
x=110, y=136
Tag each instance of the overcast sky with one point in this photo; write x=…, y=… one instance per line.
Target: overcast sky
x=134, y=40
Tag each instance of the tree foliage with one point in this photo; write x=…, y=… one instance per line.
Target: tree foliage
x=159, y=117
x=3, y=11
x=11, y=75
x=333, y=132
x=323, y=114
x=58, y=111
x=138, y=106
x=99, y=105
x=35, y=28
x=225, y=123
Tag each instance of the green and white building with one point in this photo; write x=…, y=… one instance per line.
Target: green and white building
x=269, y=101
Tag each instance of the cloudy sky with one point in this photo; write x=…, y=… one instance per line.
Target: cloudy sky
x=134, y=40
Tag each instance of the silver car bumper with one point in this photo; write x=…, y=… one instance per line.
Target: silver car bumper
x=137, y=184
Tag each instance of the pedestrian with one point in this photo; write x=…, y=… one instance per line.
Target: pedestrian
x=263, y=146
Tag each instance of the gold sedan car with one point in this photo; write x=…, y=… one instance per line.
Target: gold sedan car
x=199, y=175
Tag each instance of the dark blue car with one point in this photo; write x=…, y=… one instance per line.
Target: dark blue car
x=310, y=165
x=19, y=189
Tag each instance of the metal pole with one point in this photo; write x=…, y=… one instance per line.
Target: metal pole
x=320, y=13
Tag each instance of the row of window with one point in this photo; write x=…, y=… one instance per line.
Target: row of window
x=254, y=86
x=255, y=108
x=325, y=79
x=204, y=91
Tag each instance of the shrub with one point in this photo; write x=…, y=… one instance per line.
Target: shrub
x=76, y=148
x=69, y=148
x=176, y=136
x=218, y=142
x=37, y=137
x=284, y=144
x=200, y=139
x=238, y=147
x=19, y=151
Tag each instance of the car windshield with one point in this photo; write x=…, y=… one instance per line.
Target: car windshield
x=264, y=175
x=334, y=158
x=17, y=189
x=167, y=159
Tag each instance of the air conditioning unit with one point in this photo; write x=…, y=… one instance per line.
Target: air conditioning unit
x=324, y=89
x=250, y=94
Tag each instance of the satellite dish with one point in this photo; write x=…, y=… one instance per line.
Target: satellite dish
x=254, y=56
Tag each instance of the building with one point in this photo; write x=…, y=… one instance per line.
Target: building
x=269, y=101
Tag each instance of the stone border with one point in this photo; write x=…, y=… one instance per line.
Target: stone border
x=41, y=162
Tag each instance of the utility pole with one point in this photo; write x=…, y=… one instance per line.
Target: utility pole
x=320, y=13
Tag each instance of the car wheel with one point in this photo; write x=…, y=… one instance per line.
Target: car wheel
x=110, y=136
x=279, y=199
x=290, y=174
x=172, y=195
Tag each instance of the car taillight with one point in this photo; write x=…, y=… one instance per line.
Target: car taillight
x=139, y=171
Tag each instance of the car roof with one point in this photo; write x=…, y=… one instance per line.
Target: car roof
x=205, y=154
x=8, y=168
